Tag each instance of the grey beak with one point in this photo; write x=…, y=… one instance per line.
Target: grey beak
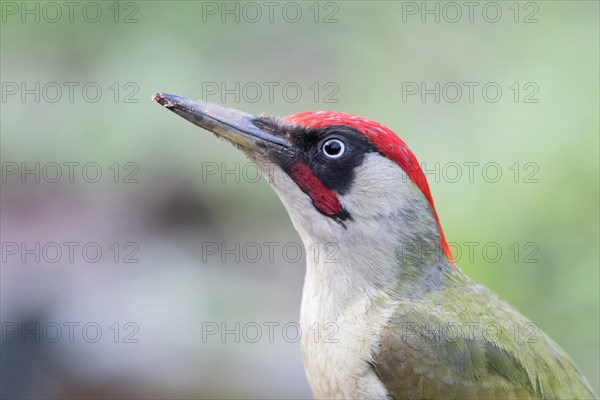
x=228, y=123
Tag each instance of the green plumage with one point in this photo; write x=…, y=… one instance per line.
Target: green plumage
x=460, y=341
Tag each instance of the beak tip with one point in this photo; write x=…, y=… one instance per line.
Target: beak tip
x=163, y=100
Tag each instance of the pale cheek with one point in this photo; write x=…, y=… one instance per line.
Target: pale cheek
x=380, y=186
x=297, y=203
x=286, y=189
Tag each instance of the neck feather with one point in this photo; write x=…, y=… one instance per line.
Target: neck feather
x=398, y=255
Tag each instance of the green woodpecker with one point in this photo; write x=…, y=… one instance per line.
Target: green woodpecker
x=409, y=324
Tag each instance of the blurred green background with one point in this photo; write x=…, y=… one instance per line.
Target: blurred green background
x=168, y=205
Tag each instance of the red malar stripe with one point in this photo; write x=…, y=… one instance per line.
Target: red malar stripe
x=323, y=198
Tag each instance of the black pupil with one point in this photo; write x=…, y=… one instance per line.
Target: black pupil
x=333, y=147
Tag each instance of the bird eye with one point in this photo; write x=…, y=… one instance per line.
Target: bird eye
x=333, y=148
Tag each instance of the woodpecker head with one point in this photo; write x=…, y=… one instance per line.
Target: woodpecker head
x=337, y=174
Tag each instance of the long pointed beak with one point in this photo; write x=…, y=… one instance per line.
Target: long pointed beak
x=228, y=123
